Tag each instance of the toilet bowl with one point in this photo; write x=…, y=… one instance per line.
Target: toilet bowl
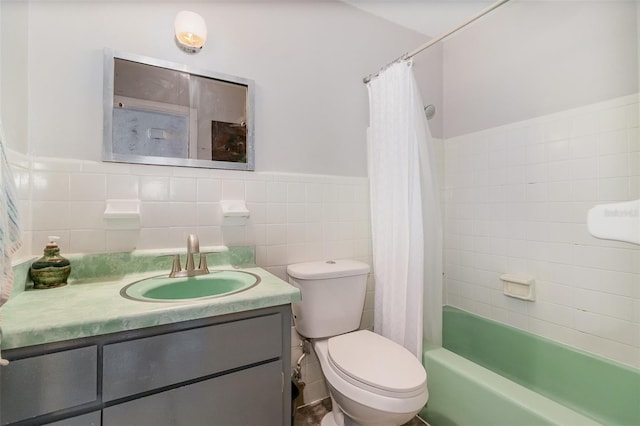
x=372, y=381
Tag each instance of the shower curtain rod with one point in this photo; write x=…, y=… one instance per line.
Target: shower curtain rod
x=433, y=41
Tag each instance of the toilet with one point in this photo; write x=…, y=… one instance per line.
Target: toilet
x=372, y=380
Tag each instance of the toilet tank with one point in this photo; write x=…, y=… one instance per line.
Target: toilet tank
x=332, y=296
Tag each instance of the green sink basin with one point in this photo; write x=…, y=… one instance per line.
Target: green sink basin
x=214, y=284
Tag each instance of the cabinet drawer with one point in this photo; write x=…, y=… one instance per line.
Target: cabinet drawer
x=42, y=384
x=247, y=397
x=149, y=363
x=91, y=419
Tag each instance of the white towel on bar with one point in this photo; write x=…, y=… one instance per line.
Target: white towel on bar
x=10, y=233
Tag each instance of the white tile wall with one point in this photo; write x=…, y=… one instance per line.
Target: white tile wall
x=516, y=200
x=294, y=217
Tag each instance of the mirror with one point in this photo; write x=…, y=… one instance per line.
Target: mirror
x=158, y=112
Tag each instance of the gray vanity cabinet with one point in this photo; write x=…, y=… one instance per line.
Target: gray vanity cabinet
x=227, y=370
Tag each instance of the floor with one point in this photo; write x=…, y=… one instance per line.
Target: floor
x=311, y=415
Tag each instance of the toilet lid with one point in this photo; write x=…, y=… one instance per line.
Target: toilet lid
x=376, y=361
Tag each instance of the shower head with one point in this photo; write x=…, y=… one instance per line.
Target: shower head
x=430, y=111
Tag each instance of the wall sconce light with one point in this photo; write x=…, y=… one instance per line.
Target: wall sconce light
x=191, y=31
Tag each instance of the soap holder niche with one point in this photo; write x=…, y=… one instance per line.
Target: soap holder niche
x=518, y=286
x=122, y=214
x=234, y=212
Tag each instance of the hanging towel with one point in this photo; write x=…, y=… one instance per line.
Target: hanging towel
x=10, y=233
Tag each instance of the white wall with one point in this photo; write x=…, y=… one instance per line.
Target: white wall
x=531, y=58
x=541, y=118
x=311, y=109
x=309, y=195
x=13, y=74
x=517, y=198
x=428, y=70
x=307, y=60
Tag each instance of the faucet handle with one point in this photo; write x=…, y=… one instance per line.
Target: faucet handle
x=175, y=266
x=203, y=263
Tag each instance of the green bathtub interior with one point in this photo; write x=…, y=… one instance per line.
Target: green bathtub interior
x=463, y=393
x=601, y=390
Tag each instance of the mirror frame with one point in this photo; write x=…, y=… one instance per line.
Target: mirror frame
x=108, y=94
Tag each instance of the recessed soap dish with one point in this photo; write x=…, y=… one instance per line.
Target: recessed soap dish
x=122, y=214
x=234, y=208
x=518, y=286
x=234, y=212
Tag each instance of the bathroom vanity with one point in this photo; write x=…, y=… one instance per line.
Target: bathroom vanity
x=222, y=361
x=227, y=370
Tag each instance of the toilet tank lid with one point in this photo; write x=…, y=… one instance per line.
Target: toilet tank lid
x=327, y=269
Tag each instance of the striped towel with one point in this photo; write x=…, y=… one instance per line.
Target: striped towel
x=10, y=234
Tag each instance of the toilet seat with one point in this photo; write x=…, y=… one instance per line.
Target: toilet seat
x=376, y=364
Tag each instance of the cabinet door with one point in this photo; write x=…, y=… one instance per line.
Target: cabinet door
x=248, y=397
x=43, y=384
x=150, y=363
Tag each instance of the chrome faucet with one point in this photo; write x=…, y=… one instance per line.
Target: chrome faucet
x=193, y=246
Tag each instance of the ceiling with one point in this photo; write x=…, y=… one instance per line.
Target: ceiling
x=429, y=17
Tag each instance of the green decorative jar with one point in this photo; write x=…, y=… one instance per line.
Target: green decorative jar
x=51, y=270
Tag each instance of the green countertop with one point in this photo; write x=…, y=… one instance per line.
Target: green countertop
x=89, y=308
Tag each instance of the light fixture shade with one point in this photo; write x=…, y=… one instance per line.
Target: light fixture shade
x=191, y=31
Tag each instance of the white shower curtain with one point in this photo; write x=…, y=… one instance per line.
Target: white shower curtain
x=405, y=212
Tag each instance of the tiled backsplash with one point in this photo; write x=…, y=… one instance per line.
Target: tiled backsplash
x=516, y=200
x=294, y=217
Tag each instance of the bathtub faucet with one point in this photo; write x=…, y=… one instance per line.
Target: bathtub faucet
x=193, y=247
